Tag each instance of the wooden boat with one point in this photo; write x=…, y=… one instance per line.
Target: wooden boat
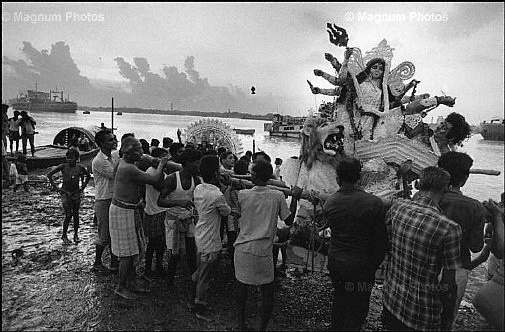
x=54, y=154
x=244, y=131
x=285, y=126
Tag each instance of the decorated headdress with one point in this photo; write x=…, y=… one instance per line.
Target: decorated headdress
x=393, y=78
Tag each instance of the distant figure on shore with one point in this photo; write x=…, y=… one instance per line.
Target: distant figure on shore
x=70, y=190
x=5, y=167
x=73, y=144
x=83, y=143
x=5, y=124
x=28, y=132
x=5, y=131
x=22, y=173
x=14, y=136
x=13, y=173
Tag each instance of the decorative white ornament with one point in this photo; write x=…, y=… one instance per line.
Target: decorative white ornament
x=215, y=132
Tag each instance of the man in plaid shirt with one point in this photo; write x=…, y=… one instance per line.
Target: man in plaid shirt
x=423, y=241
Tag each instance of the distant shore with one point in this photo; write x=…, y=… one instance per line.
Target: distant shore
x=236, y=115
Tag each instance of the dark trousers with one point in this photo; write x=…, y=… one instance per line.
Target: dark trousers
x=267, y=304
x=190, y=259
x=30, y=138
x=350, y=300
x=391, y=323
x=155, y=244
x=202, y=277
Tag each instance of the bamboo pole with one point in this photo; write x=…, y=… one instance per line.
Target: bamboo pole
x=112, y=114
x=484, y=171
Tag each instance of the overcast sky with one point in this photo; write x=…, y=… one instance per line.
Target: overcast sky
x=457, y=48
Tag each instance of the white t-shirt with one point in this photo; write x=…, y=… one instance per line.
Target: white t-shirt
x=104, y=170
x=152, y=195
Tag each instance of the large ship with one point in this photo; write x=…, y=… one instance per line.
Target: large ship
x=285, y=126
x=493, y=130
x=38, y=101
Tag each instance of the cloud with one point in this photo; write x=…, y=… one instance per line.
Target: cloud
x=466, y=19
x=48, y=69
x=187, y=90
x=145, y=88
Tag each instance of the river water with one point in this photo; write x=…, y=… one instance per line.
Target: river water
x=486, y=154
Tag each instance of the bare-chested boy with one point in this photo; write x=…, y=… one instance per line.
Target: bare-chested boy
x=127, y=238
x=70, y=190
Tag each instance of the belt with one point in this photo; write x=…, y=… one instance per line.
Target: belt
x=126, y=205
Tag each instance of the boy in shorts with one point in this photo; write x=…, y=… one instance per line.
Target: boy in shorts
x=70, y=191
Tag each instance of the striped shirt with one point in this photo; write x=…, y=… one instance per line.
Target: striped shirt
x=423, y=241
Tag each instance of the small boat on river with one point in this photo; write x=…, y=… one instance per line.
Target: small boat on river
x=244, y=131
x=54, y=154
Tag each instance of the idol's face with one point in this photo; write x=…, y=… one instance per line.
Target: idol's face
x=377, y=70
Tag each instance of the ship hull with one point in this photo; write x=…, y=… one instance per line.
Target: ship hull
x=492, y=131
x=46, y=107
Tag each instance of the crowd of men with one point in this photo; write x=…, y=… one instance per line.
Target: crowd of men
x=152, y=200
x=182, y=200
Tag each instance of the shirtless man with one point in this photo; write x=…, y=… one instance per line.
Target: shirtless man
x=71, y=172
x=127, y=238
